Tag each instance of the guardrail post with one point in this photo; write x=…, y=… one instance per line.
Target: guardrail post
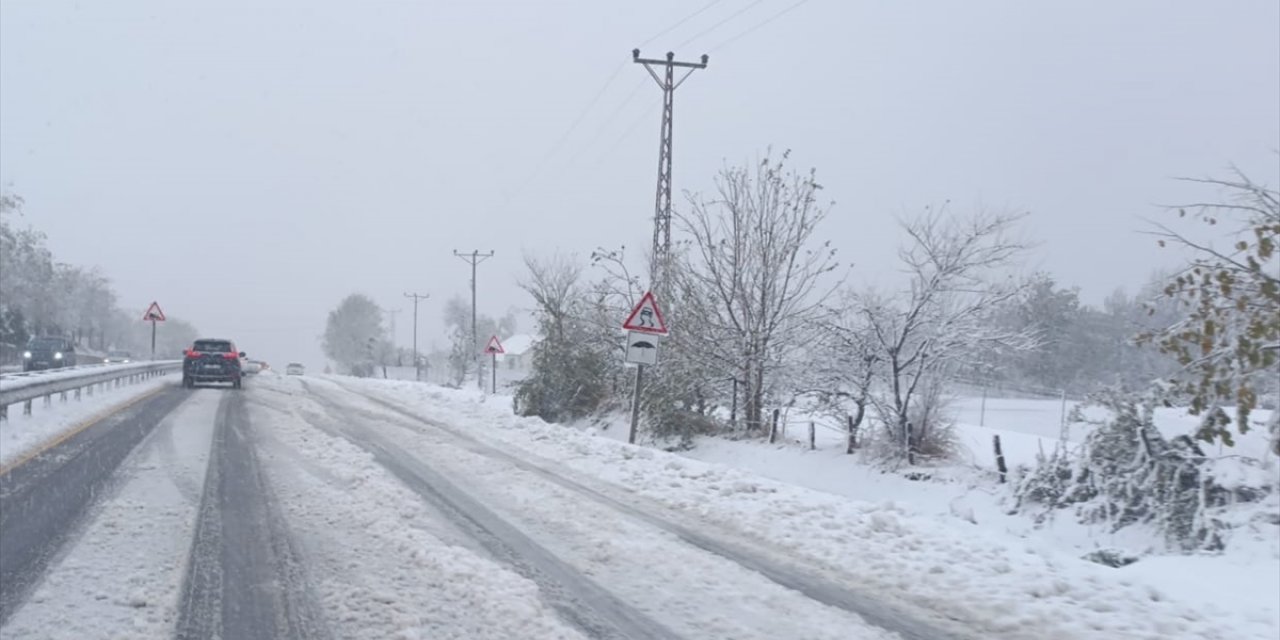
x=4, y=412
x=62, y=397
x=48, y=400
x=26, y=408
x=77, y=393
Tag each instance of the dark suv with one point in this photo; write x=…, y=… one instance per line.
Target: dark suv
x=212, y=361
x=48, y=353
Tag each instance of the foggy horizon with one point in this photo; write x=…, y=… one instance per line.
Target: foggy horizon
x=348, y=151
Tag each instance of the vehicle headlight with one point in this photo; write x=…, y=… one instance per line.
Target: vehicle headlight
x=57, y=356
x=26, y=354
x=126, y=361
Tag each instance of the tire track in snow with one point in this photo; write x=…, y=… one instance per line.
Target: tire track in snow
x=579, y=600
x=43, y=501
x=876, y=612
x=245, y=579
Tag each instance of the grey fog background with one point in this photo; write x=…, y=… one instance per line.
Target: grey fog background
x=248, y=166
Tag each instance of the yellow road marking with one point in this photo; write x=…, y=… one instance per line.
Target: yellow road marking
x=79, y=427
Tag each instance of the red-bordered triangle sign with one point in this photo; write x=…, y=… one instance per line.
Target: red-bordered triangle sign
x=154, y=314
x=646, y=317
x=494, y=346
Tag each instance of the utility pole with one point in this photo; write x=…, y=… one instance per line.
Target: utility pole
x=474, y=258
x=662, y=208
x=417, y=368
x=662, y=203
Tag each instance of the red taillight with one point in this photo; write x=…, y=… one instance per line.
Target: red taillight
x=229, y=356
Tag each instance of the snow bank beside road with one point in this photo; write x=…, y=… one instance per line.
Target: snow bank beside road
x=991, y=584
x=20, y=434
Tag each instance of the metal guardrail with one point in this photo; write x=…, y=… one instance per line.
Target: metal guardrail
x=25, y=389
x=21, y=375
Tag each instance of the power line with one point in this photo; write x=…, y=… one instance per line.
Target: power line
x=682, y=21
x=719, y=24
x=604, y=125
x=630, y=130
x=757, y=26
x=582, y=115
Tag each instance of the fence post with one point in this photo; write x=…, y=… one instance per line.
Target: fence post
x=773, y=430
x=853, y=436
x=1000, y=466
x=812, y=437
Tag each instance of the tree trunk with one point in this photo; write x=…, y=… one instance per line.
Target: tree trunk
x=855, y=421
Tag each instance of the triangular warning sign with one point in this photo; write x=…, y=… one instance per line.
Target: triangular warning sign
x=646, y=317
x=154, y=314
x=494, y=346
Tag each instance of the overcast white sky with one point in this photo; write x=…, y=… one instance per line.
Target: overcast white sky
x=249, y=166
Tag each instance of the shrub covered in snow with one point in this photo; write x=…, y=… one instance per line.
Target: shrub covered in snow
x=1127, y=473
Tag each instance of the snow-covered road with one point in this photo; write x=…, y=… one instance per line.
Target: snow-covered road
x=308, y=510
x=336, y=508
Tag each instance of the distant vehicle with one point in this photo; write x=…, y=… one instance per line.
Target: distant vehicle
x=48, y=353
x=294, y=369
x=118, y=356
x=212, y=360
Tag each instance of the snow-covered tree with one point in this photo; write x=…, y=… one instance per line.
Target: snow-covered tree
x=1229, y=342
x=751, y=275
x=570, y=377
x=464, y=352
x=943, y=321
x=353, y=332
x=846, y=359
x=41, y=296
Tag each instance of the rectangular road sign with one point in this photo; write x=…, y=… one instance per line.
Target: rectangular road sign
x=642, y=348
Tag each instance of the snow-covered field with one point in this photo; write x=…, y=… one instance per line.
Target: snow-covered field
x=1248, y=571
x=21, y=434
x=945, y=549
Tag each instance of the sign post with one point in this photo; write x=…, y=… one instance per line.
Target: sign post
x=644, y=324
x=153, y=315
x=493, y=349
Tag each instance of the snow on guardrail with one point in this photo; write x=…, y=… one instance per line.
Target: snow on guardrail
x=16, y=388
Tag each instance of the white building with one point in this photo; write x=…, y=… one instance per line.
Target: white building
x=517, y=359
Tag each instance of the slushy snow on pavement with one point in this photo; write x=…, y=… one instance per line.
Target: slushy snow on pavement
x=989, y=580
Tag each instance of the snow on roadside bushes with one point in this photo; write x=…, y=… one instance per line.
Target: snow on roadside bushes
x=990, y=583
